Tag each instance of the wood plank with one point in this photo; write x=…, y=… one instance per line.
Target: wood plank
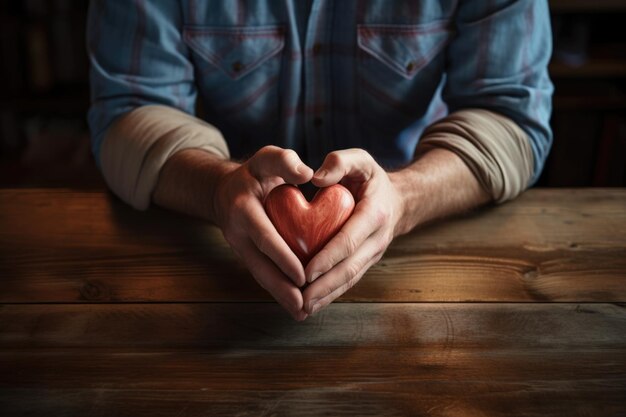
x=228, y=359
x=517, y=326
x=313, y=381
x=67, y=246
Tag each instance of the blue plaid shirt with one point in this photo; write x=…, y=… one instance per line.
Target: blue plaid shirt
x=320, y=75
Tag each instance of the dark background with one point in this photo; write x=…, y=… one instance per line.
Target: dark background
x=44, y=94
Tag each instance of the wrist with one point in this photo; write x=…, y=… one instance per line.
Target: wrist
x=218, y=175
x=188, y=182
x=437, y=184
x=408, y=190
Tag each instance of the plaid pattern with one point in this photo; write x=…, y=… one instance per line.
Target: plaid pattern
x=320, y=75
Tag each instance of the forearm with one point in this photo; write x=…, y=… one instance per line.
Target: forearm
x=495, y=149
x=188, y=180
x=437, y=184
x=138, y=145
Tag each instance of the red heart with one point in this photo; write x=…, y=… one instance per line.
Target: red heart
x=307, y=227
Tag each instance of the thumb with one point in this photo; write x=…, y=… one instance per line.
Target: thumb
x=272, y=161
x=349, y=163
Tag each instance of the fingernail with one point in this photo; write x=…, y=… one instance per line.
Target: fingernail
x=314, y=276
x=299, y=168
x=321, y=174
x=312, y=304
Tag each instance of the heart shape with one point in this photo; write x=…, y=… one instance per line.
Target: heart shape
x=307, y=227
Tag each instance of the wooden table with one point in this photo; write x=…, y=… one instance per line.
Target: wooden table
x=512, y=310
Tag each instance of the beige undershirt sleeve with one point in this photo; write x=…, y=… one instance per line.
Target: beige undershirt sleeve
x=494, y=147
x=138, y=144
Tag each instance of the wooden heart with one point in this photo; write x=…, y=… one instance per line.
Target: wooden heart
x=307, y=227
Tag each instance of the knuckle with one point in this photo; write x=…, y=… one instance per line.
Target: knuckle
x=389, y=236
x=380, y=216
x=334, y=158
x=268, y=149
x=379, y=256
x=262, y=242
x=326, y=291
x=345, y=287
x=347, y=241
x=363, y=155
x=352, y=270
x=265, y=152
x=240, y=204
x=288, y=156
x=381, y=247
x=351, y=283
x=324, y=260
x=381, y=244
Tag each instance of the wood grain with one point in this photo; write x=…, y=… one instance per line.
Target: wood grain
x=377, y=359
x=313, y=382
x=66, y=246
x=258, y=325
x=105, y=311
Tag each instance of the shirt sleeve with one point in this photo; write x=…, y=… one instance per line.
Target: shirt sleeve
x=498, y=61
x=139, y=143
x=493, y=147
x=137, y=58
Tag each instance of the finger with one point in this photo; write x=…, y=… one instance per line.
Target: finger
x=351, y=163
x=272, y=161
x=315, y=307
x=343, y=277
x=265, y=237
x=365, y=221
x=272, y=280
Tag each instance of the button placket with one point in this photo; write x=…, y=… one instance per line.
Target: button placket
x=315, y=91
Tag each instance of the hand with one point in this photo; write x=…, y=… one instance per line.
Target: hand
x=365, y=236
x=193, y=180
x=238, y=211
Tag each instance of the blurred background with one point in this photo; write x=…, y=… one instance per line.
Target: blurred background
x=44, y=95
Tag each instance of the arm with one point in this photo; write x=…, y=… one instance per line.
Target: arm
x=142, y=95
x=496, y=62
x=149, y=145
x=231, y=195
x=435, y=185
x=137, y=58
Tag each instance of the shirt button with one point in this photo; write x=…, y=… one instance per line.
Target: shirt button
x=237, y=66
x=410, y=66
x=317, y=48
x=317, y=122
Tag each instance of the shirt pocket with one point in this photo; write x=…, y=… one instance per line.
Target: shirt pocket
x=237, y=70
x=400, y=67
x=404, y=49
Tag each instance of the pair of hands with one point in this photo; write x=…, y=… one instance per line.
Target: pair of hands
x=239, y=212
